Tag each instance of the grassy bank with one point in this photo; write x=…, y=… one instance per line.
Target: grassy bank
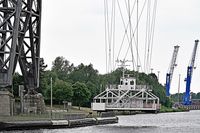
x=57, y=113
x=167, y=109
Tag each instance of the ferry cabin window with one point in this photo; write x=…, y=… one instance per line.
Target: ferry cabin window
x=103, y=100
x=132, y=82
x=109, y=100
x=109, y=95
x=97, y=100
x=121, y=82
x=126, y=83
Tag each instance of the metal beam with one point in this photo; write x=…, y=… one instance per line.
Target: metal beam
x=20, y=27
x=9, y=20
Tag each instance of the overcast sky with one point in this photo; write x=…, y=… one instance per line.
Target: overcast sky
x=74, y=29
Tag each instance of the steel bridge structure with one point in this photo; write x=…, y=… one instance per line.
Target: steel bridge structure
x=20, y=29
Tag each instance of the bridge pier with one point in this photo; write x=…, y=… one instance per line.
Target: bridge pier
x=34, y=103
x=6, y=103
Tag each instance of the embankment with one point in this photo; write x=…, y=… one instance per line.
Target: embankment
x=49, y=124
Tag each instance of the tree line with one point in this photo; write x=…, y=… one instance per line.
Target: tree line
x=80, y=84
x=178, y=97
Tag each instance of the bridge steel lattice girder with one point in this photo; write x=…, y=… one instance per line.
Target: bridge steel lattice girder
x=20, y=23
x=9, y=26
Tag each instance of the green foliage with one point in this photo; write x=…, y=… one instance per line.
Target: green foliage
x=80, y=84
x=81, y=94
x=175, y=97
x=95, y=82
x=63, y=91
x=84, y=74
x=17, y=80
x=198, y=96
x=45, y=82
x=62, y=67
x=92, y=89
x=168, y=102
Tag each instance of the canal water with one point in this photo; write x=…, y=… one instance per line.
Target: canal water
x=182, y=122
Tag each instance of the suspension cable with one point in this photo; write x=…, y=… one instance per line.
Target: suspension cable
x=114, y=6
x=146, y=56
x=149, y=35
x=129, y=14
x=153, y=29
x=105, y=30
x=133, y=33
x=125, y=27
x=137, y=37
x=109, y=34
x=131, y=38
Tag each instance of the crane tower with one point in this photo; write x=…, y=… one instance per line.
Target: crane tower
x=190, y=68
x=170, y=72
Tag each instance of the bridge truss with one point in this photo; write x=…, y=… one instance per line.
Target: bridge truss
x=20, y=24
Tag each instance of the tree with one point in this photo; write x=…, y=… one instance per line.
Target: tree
x=63, y=91
x=81, y=94
x=62, y=67
x=43, y=66
x=46, y=82
x=43, y=84
x=84, y=73
x=17, y=80
x=193, y=95
x=87, y=82
x=153, y=75
x=198, y=95
x=92, y=88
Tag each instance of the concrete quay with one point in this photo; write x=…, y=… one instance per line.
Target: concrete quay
x=52, y=124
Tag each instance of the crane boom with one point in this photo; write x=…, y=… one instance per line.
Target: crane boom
x=190, y=68
x=169, y=74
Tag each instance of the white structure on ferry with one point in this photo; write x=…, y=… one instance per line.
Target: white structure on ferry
x=127, y=96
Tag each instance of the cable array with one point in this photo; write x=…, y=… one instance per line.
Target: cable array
x=130, y=12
